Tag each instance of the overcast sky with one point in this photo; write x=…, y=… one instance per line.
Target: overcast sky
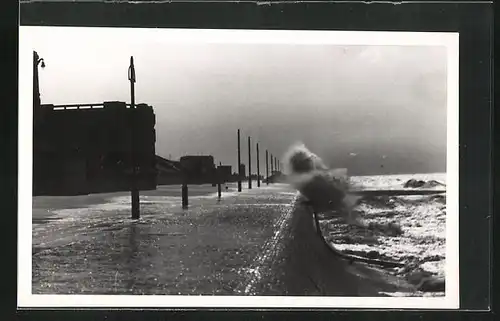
x=372, y=109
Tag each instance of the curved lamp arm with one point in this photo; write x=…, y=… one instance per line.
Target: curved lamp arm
x=41, y=61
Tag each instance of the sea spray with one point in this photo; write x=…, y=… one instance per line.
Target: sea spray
x=325, y=189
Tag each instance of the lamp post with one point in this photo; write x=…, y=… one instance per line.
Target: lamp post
x=258, y=166
x=134, y=188
x=239, y=162
x=37, y=61
x=249, y=164
x=267, y=167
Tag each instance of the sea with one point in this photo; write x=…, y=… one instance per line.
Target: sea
x=405, y=229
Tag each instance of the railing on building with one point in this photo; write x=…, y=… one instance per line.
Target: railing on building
x=92, y=106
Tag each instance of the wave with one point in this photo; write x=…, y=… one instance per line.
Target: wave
x=406, y=229
x=325, y=189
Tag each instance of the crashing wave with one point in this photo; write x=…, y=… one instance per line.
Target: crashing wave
x=325, y=189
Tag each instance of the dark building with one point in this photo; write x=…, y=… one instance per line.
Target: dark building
x=81, y=149
x=224, y=172
x=199, y=169
x=169, y=171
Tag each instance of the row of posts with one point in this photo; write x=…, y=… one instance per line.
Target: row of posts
x=272, y=161
x=274, y=164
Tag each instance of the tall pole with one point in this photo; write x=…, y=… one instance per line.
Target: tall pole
x=36, y=88
x=267, y=167
x=249, y=164
x=239, y=162
x=272, y=164
x=36, y=105
x=258, y=166
x=36, y=84
x=134, y=189
x=219, y=183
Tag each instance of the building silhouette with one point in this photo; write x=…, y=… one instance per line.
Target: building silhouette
x=198, y=169
x=169, y=171
x=224, y=173
x=87, y=148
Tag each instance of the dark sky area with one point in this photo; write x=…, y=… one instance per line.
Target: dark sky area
x=373, y=109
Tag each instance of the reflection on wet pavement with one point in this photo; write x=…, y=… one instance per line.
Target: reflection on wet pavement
x=97, y=249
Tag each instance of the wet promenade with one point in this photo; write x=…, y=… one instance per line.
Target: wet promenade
x=88, y=244
x=257, y=242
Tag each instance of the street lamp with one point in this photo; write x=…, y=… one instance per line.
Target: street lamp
x=36, y=119
x=134, y=189
x=37, y=61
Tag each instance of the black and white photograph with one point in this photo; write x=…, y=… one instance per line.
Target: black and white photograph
x=237, y=168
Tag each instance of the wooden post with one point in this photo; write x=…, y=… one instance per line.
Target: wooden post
x=36, y=107
x=272, y=162
x=36, y=88
x=219, y=181
x=258, y=166
x=267, y=167
x=239, y=162
x=249, y=164
x=134, y=190
x=185, y=202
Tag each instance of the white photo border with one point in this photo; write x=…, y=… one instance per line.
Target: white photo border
x=25, y=156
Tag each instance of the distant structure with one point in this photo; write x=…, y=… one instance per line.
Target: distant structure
x=277, y=177
x=224, y=172
x=169, y=171
x=198, y=169
x=86, y=148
